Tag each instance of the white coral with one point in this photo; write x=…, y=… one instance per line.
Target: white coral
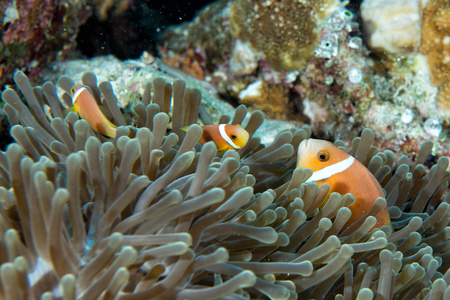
x=243, y=60
x=393, y=26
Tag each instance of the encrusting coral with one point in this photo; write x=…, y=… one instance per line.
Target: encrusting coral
x=273, y=28
x=436, y=45
x=392, y=26
x=271, y=99
x=151, y=214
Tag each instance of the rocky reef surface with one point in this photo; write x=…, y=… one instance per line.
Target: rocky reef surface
x=328, y=64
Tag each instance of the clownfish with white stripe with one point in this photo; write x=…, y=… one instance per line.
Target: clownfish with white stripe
x=86, y=107
x=225, y=136
x=345, y=175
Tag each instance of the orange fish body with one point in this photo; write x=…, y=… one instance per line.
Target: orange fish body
x=87, y=108
x=345, y=175
x=225, y=136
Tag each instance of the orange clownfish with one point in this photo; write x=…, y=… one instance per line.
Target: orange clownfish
x=225, y=136
x=86, y=107
x=345, y=175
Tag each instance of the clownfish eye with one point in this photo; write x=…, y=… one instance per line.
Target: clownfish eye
x=323, y=155
x=233, y=136
x=73, y=89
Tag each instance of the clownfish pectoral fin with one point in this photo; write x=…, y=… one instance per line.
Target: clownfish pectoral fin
x=223, y=149
x=70, y=109
x=185, y=128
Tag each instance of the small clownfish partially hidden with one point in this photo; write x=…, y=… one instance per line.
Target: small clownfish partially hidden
x=345, y=175
x=225, y=136
x=147, y=58
x=86, y=107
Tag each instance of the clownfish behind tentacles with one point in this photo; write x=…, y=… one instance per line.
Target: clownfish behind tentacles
x=86, y=107
x=345, y=175
x=225, y=136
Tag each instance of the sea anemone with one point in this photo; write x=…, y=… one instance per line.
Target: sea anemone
x=151, y=214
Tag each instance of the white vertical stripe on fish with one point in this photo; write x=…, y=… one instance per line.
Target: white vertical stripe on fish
x=334, y=169
x=224, y=135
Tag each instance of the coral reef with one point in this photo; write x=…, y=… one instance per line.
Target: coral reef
x=335, y=89
x=35, y=33
x=406, y=93
x=151, y=214
x=243, y=59
x=393, y=26
x=192, y=62
x=286, y=32
x=436, y=45
x=342, y=86
x=272, y=99
x=208, y=33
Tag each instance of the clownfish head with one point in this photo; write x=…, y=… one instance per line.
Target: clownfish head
x=234, y=135
x=75, y=92
x=318, y=154
x=75, y=88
